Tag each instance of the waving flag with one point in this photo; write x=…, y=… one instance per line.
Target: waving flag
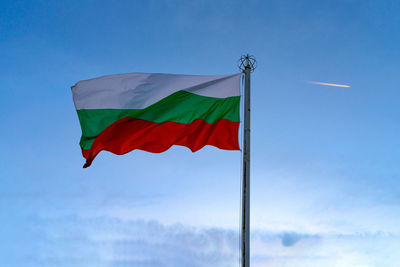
x=152, y=112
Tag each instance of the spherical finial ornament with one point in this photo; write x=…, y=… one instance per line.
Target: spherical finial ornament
x=247, y=61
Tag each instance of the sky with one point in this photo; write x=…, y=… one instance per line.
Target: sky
x=325, y=176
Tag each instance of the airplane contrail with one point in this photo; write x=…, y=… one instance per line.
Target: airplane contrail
x=330, y=84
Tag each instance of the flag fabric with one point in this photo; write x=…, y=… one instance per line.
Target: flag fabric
x=152, y=112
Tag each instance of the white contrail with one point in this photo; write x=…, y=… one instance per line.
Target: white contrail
x=330, y=84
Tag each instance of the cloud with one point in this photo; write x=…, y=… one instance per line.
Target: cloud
x=289, y=239
x=175, y=245
x=106, y=241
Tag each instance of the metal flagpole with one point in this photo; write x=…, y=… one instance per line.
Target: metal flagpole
x=247, y=64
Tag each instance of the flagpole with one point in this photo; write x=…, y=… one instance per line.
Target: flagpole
x=247, y=64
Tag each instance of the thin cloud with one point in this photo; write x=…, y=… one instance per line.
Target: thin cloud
x=290, y=239
x=106, y=241
x=330, y=84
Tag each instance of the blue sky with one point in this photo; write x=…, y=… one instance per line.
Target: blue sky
x=325, y=160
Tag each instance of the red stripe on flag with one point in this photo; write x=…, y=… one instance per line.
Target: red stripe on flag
x=128, y=134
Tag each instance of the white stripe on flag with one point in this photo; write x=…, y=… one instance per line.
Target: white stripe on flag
x=140, y=90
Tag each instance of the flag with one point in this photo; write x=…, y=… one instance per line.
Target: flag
x=152, y=112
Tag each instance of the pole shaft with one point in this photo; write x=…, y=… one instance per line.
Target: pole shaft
x=246, y=172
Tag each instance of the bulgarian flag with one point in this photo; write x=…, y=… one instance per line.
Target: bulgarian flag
x=152, y=112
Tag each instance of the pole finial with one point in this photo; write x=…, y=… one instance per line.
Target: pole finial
x=247, y=62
